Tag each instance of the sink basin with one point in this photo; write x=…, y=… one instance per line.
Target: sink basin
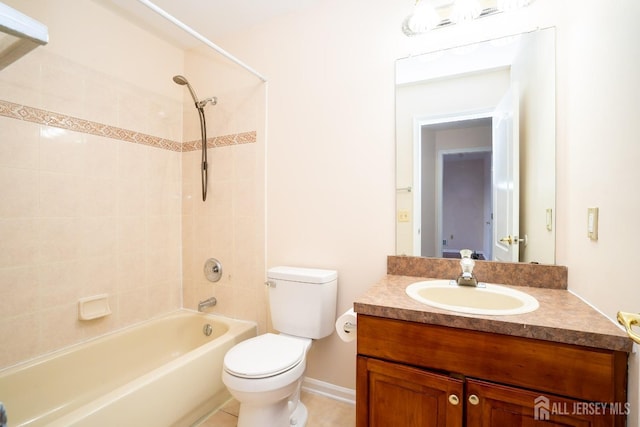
x=490, y=300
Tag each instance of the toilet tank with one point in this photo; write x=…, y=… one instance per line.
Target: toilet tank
x=303, y=301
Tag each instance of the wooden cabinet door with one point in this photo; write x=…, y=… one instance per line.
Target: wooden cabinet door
x=491, y=405
x=389, y=394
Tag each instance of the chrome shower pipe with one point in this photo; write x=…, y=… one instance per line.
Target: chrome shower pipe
x=204, y=173
x=204, y=165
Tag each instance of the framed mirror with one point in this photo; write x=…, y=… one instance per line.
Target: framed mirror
x=475, y=150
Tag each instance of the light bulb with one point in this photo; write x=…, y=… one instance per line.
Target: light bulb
x=509, y=5
x=465, y=10
x=423, y=19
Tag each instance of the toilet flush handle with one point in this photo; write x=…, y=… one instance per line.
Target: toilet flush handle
x=270, y=283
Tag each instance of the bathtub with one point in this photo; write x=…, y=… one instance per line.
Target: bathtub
x=163, y=372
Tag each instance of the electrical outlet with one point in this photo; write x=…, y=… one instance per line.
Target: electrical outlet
x=403, y=216
x=592, y=223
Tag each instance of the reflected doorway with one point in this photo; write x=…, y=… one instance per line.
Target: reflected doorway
x=466, y=201
x=453, y=207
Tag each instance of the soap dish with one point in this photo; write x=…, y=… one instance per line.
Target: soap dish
x=93, y=307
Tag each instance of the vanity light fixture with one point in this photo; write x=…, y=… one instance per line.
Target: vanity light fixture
x=509, y=5
x=424, y=18
x=465, y=10
x=431, y=14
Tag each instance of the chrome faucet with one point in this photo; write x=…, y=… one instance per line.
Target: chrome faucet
x=207, y=303
x=467, y=278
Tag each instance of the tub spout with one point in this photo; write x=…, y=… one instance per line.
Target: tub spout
x=210, y=302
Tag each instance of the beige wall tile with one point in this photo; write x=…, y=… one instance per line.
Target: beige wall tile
x=25, y=326
x=19, y=242
x=19, y=288
x=20, y=145
x=20, y=193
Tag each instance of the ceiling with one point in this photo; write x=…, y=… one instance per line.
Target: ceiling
x=213, y=19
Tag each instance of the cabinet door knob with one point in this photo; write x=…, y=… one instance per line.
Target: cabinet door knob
x=453, y=399
x=474, y=400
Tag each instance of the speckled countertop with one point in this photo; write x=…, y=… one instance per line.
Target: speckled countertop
x=562, y=317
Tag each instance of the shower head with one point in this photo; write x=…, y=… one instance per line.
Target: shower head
x=181, y=80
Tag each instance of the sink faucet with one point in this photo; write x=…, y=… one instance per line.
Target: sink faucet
x=467, y=277
x=207, y=303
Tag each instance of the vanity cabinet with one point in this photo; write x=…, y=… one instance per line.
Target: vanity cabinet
x=415, y=374
x=400, y=395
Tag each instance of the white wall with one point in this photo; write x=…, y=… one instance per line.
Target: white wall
x=534, y=73
x=598, y=128
x=330, y=152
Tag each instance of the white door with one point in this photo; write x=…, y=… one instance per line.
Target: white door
x=506, y=182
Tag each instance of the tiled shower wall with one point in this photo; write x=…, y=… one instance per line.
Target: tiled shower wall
x=229, y=225
x=97, y=197
x=89, y=204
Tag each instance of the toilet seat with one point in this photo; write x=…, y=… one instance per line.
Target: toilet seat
x=264, y=356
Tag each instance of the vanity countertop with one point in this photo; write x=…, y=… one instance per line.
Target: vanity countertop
x=562, y=317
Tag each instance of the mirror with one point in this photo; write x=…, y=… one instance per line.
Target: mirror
x=452, y=191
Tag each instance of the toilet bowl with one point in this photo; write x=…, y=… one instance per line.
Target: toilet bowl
x=265, y=373
x=268, y=386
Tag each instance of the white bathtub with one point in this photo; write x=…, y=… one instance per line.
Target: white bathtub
x=164, y=372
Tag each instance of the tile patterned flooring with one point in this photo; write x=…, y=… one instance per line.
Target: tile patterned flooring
x=323, y=412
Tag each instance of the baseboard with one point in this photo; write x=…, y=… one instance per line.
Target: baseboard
x=329, y=390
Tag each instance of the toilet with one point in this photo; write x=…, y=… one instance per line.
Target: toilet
x=265, y=373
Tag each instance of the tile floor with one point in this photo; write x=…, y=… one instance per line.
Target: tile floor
x=323, y=412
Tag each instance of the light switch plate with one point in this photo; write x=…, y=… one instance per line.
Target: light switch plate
x=592, y=223
x=403, y=216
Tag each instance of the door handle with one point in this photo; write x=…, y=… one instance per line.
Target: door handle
x=510, y=240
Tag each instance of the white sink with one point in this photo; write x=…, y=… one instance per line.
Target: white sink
x=490, y=299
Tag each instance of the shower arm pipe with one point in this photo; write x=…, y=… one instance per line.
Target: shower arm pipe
x=200, y=37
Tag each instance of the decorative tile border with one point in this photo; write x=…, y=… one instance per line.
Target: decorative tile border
x=222, y=141
x=49, y=118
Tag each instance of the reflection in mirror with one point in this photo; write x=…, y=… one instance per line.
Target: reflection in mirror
x=475, y=150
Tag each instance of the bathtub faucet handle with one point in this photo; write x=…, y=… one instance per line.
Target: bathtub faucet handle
x=213, y=270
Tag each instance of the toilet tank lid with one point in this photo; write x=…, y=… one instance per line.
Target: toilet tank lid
x=299, y=274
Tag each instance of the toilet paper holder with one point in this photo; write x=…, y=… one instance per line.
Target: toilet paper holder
x=349, y=327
